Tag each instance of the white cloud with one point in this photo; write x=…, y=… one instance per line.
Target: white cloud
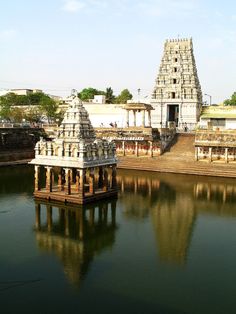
x=7, y=34
x=73, y=6
x=168, y=7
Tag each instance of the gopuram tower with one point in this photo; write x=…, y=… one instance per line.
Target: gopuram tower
x=177, y=95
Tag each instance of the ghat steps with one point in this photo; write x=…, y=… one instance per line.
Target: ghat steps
x=179, y=158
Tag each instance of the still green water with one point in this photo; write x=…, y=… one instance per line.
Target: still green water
x=166, y=245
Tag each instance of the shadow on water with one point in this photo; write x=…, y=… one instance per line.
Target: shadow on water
x=16, y=179
x=75, y=234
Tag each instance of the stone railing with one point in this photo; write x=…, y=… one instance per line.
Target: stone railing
x=219, y=138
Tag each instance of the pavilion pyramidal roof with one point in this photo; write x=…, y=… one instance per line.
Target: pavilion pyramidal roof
x=76, y=145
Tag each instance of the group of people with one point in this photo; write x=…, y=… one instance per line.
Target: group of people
x=113, y=125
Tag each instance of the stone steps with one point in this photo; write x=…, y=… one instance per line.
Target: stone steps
x=179, y=159
x=179, y=168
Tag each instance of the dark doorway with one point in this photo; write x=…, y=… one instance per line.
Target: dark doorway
x=173, y=114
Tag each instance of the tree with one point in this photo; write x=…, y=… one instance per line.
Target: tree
x=33, y=114
x=17, y=114
x=48, y=107
x=35, y=98
x=89, y=93
x=231, y=101
x=124, y=96
x=5, y=105
x=110, y=97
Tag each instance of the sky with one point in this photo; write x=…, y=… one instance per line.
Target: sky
x=59, y=45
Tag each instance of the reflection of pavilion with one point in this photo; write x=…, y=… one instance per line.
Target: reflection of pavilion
x=76, y=235
x=219, y=197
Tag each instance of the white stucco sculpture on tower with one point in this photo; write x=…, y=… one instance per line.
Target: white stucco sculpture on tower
x=79, y=155
x=177, y=95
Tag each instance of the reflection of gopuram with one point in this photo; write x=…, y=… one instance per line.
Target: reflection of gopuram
x=75, y=234
x=79, y=168
x=172, y=213
x=173, y=223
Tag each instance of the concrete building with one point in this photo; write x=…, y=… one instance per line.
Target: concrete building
x=177, y=95
x=20, y=91
x=218, y=117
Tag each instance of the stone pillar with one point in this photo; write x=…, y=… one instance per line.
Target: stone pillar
x=123, y=148
x=81, y=183
x=68, y=180
x=105, y=182
x=37, y=216
x=143, y=118
x=136, y=148
x=100, y=177
x=134, y=113
x=49, y=179
x=91, y=181
x=127, y=118
x=210, y=154
x=61, y=180
x=77, y=181
x=36, y=178
x=49, y=218
x=150, y=149
x=113, y=179
x=226, y=155
x=149, y=118
x=196, y=153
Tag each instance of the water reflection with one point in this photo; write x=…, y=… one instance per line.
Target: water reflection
x=173, y=207
x=75, y=234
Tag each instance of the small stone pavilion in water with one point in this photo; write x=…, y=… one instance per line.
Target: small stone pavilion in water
x=79, y=168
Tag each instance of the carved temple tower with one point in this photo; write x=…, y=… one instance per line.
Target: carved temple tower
x=177, y=95
x=78, y=167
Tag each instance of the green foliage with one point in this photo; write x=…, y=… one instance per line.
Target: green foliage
x=124, y=96
x=231, y=101
x=33, y=114
x=48, y=107
x=110, y=97
x=89, y=93
x=38, y=104
x=17, y=114
x=35, y=98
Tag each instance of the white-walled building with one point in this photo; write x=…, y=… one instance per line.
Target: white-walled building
x=218, y=117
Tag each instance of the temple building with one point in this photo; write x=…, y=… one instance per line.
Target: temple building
x=138, y=138
x=79, y=168
x=177, y=96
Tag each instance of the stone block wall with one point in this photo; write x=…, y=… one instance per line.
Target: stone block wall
x=18, y=143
